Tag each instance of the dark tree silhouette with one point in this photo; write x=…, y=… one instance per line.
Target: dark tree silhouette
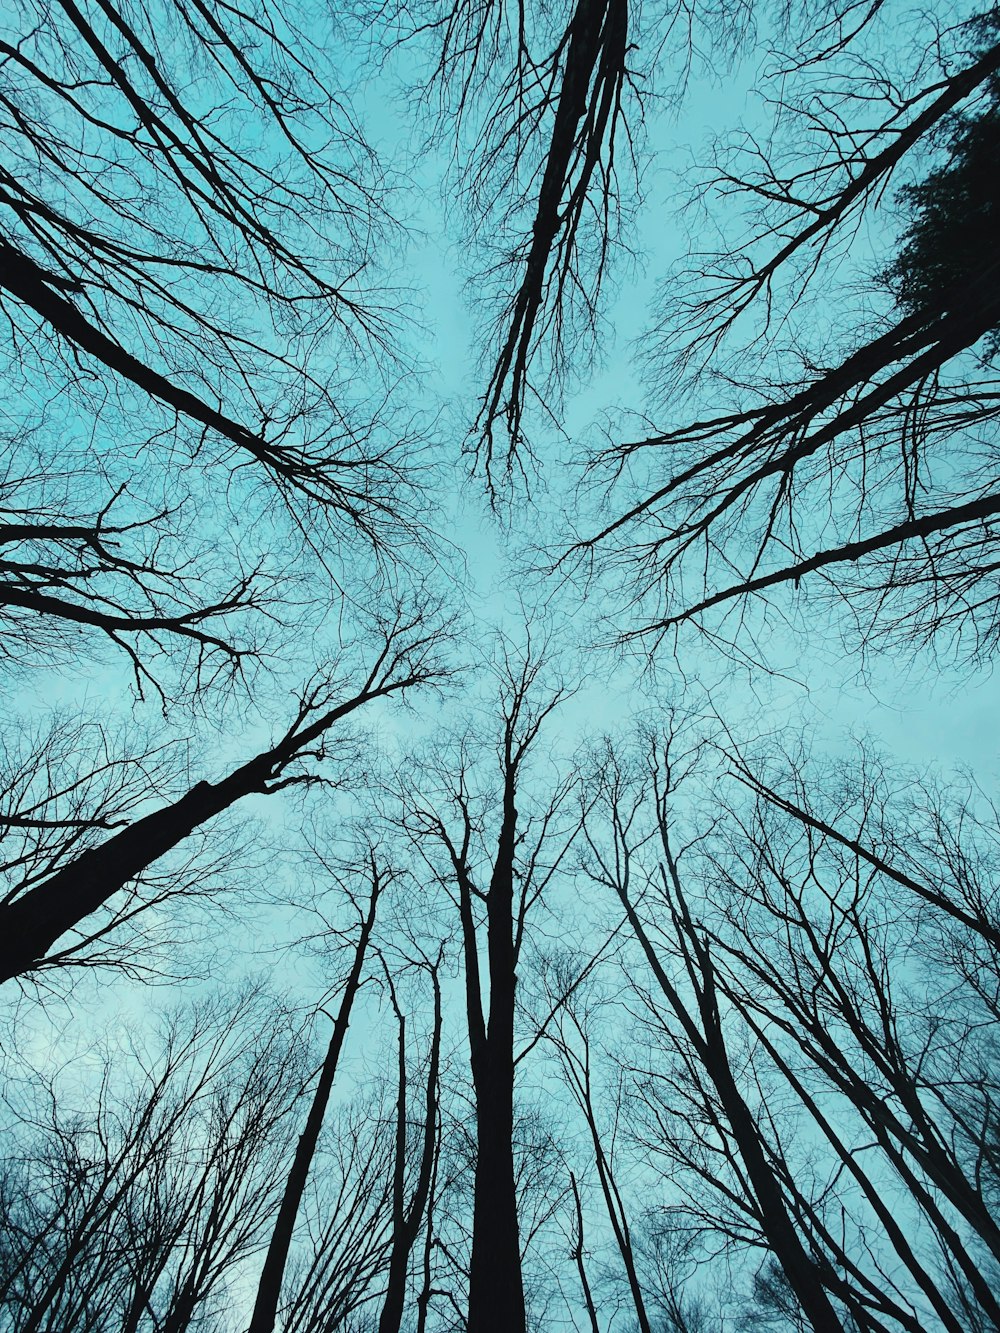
x=501, y=885
x=408, y=1214
x=370, y=1184
x=42, y=907
x=191, y=222
x=955, y=214
x=702, y=1042
x=338, y=1265
x=839, y=471
x=272, y=1274
x=145, y=241
x=116, y=573
x=769, y=993
x=816, y=996
x=572, y=1042
x=544, y=110
x=910, y=1066
x=137, y=1210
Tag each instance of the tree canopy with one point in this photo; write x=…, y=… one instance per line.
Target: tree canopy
x=465, y=470
x=950, y=243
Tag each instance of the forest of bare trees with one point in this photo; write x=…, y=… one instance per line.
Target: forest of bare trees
x=462, y=466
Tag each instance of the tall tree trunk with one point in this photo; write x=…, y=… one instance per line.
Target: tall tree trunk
x=407, y=1220
x=613, y=1203
x=265, y=1309
x=802, y=1272
x=496, y=1292
x=588, y=1297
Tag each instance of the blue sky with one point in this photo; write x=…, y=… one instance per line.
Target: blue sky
x=919, y=711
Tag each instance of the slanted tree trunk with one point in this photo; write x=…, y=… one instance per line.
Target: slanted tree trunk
x=30, y=925
x=707, y=1038
x=577, y=1067
x=265, y=1309
x=577, y=1254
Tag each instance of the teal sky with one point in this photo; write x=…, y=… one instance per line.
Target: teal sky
x=920, y=710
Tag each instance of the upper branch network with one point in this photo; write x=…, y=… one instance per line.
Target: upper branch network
x=865, y=460
x=543, y=110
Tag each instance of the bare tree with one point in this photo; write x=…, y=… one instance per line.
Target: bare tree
x=834, y=475
x=572, y=1042
x=369, y=1187
x=273, y=1270
x=577, y=1253
x=82, y=559
x=502, y=886
x=543, y=110
x=144, y=240
x=135, y=1212
x=337, y=1267
x=704, y=1037
x=913, y=1067
x=209, y=454
x=408, y=1215
x=42, y=907
x=819, y=1079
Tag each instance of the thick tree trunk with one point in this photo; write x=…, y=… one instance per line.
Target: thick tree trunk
x=496, y=1295
x=496, y=1292
x=23, y=278
x=30, y=925
x=800, y=1269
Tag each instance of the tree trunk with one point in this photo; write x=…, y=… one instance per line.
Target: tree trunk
x=800, y=1269
x=265, y=1309
x=588, y=1297
x=30, y=925
x=496, y=1293
x=407, y=1221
